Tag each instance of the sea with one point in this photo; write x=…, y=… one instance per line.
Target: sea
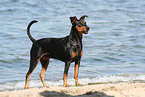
x=113, y=50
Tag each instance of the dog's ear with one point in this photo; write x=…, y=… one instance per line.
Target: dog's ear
x=83, y=17
x=73, y=19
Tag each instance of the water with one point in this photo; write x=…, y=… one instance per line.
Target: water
x=114, y=49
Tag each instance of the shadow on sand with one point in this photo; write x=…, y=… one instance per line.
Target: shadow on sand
x=61, y=94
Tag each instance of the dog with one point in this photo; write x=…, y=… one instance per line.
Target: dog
x=67, y=49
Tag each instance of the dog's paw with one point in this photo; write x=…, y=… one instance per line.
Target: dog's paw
x=46, y=86
x=78, y=84
x=27, y=88
x=66, y=85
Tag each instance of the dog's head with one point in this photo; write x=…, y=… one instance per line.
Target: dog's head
x=80, y=25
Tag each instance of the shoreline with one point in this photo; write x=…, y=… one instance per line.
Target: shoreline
x=94, y=90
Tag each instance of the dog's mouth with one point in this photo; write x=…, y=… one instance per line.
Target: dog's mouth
x=85, y=32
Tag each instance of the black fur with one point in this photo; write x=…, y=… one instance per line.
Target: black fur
x=67, y=49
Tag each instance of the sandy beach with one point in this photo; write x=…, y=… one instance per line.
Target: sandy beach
x=96, y=90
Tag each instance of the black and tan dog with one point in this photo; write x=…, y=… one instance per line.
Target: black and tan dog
x=67, y=49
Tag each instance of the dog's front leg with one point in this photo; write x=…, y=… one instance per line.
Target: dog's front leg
x=67, y=65
x=77, y=65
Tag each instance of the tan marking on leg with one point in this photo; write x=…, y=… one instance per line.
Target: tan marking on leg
x=76, y=75
x=27, y=80
x=65, y=80
x=42, y=75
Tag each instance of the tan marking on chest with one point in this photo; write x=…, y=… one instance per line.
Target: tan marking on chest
x=74, y=54
x=81, y=53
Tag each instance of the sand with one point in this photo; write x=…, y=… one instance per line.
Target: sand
x=96, y=90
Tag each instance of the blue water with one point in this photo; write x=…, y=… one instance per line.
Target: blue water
x=114, y=49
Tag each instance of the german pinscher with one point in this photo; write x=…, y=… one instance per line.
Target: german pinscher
x=67, y=49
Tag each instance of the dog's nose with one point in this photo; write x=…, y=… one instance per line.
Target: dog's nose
x=88, y=28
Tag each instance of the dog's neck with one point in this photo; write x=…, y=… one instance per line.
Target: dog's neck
x=74, y=34
x=74, y=37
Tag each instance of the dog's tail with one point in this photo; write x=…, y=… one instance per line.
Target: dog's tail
x=28, y=30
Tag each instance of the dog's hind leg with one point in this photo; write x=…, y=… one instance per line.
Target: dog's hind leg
x=44, y=63
x=33, y=64
x=35, y=57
